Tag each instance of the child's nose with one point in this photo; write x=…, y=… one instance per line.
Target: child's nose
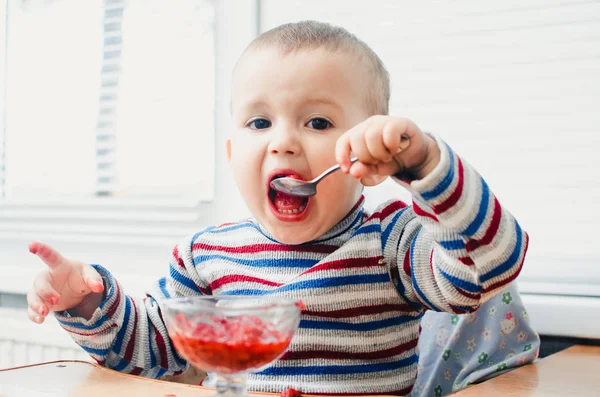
x=284, y=143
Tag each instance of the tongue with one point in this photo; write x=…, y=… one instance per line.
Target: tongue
x=286, y=202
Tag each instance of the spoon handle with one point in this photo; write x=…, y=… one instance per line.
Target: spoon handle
x=332, y=169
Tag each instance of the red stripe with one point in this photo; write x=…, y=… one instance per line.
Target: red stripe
x=136, y=371
x=113, y=308
x=238, y=278
x=100, y=362
x=506, y=281
x=419, y=211
x=360, y=311
x=338, y=355
x=455, y=196
x=344, y=264
x=431, y=260
x=388, y=210
x=490, y=232
x=358, y=203
x=255, y=248
x=204, y=291
x=131, y=344
x=466, y=260
x=469, y=295
x=177, y=257
x=401, y=392
x=406, y=264
x=228, y=224
x=87, y=334
x=160, y=343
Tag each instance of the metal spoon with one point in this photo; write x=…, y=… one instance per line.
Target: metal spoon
x=296, y=187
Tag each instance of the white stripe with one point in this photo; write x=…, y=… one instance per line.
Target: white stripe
x=379, y=382
x=339, y=338
x=341, y=298
x=502, y=248
x=467, y=209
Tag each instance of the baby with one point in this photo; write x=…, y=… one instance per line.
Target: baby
x=305, y=96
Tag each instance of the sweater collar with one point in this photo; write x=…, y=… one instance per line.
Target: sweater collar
x=338, y=234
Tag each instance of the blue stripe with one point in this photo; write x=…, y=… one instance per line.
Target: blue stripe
x=258, y=229
x=444, y=183
x=121, y=335
x=96, y=352
x=388, y=230
x=451, y=245
x=415, y=285
x=81, y=326
x=340, y=369
x=337, y=281
x=121, y=365
x=362, y=326
x=181, y=279
x=161, y=372
x=162, y=284
x=229, y=228
x=510, y=262
x=246, y=292
x=356, y=219
x=109, y=281
x=266, y=262
x=195, y=237
x=149, y=345
x=326, y=282
x=373, y=228
x=481, y=214
x=464, y=308
x=460, y=283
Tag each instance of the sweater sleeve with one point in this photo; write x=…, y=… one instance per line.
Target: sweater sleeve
x=129, y=334
x=456, y=247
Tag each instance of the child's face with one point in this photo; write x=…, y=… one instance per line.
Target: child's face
x=288, y=112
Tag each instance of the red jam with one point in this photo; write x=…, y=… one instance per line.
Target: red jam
x=290, y=392
x=229, y=346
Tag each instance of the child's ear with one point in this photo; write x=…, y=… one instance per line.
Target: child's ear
x=228, y=149
x=372, y=180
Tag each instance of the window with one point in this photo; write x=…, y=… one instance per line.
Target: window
x=108, y=131
x=108, y=98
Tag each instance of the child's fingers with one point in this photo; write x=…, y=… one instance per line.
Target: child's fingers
x=35, y=317
x=92, y=278
x=360, y=170
x=35, y=303
x=43, y=288
x=49, y=255
x=391, y=135
x=375, y=144
x=342, y=152
x=359, y=147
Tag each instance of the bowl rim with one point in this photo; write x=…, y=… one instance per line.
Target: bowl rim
x=276, y=302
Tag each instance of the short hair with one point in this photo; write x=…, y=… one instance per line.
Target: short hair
x=303, y=35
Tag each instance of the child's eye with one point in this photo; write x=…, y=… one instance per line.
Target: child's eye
x=319, y=123
x=259, y=124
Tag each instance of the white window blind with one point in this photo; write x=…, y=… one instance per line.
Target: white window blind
x=514, y=87
x=108, y=98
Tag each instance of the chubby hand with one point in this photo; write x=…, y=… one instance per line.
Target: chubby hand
x=62, y=285
x=386, y=145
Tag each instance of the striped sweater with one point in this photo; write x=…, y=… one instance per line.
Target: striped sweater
x=365, y=285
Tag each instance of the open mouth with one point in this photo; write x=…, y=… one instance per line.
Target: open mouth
x=285, y=204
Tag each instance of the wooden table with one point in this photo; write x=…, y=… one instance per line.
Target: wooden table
x=572, y=372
